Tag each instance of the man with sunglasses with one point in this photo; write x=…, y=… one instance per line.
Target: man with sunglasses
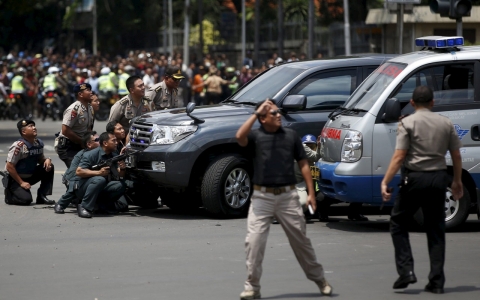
x=274, y=150
x=165, y=93
x=89, y=142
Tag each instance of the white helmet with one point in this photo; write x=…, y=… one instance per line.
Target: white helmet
x=21, y=70
x=105, y=71
x=52, y=70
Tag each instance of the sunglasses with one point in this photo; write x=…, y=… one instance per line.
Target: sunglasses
x=276, y=112
x=96, y=140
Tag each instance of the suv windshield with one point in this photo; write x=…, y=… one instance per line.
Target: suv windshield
x=267, y=85
x=369, y=91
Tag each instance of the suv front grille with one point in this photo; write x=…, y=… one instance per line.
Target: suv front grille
x=140, y=134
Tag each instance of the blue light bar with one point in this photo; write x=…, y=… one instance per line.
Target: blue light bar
x=438, y=42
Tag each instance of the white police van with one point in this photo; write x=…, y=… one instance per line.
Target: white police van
x=359, y=139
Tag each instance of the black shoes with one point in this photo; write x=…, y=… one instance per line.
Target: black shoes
x=358, y=217
x=58, y=209
x=82, y=212
x=432, y=289
x=404, y=280
x=41, y=199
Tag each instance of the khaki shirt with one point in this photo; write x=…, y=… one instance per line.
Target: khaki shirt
x=124, y=110
x=18, y=151
x=427, y=136
x=161, y=97
x=79, y=118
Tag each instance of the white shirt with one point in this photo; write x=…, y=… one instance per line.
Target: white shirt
x=148, y=80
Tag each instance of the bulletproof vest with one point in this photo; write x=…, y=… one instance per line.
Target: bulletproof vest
x=28, y=164
x=49, y=82
x=122, y=84
x=17, y=85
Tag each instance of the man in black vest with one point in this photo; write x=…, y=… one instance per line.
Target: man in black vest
x=26, y=165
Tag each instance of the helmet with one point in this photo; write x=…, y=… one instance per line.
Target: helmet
x=129, y=69
x=52, y=70
x=309, y=139
x=105, y=71
x=21, y=70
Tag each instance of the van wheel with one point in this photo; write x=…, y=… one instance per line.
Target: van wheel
x=227, y=186
x=456, y=212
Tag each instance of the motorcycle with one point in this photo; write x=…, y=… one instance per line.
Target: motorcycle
x=51, y=105
x=107, y=100
x=12, y=106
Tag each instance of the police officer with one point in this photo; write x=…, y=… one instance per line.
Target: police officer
x=106, y=82
x=27, y=165
x=275, y=195
x=164, y=94
x=103, y=184
x=19, y=85
x=90, y=141
x=123, y=74
x=133, y=105
x=77, y=120
x=423, y=140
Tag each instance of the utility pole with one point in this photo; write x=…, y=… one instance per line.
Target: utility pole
x=200, y=27
x=280, y=28
x=243, y=31
x=346, y=17
x=400, y=14
x=311, y=24
x=170, y=28
x=257, y=32
x=186, y=34
x=94, y=27
x=165, y=17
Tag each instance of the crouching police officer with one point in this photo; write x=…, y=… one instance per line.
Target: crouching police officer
x=89, y=142
x=26, y=165
x=104, y=184
x=77, y=121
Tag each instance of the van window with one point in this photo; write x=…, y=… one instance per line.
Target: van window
x=328, y=89
x=451, y=84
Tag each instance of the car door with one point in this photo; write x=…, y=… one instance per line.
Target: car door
x=325, y=91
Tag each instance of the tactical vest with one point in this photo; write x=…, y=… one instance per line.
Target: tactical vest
x=122, y=84
x=28, y=164
x=49, y=82
x=17, y=85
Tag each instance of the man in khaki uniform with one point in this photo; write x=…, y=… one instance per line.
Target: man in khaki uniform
x=423, y=139
x=133, y=105
x=78, y=119
x=164, y=94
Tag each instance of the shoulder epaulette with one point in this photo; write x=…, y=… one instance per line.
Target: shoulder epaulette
x=159, y=87
x=124, y=100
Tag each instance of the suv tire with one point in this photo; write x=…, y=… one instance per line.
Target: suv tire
x=227, y=186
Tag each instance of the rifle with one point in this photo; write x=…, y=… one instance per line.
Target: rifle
x=5, y=178
x=109, y=162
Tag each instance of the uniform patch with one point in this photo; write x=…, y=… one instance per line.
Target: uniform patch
x=73, y=114
x=20, y=144
x=17, y=150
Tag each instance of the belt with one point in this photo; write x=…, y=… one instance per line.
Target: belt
x=274, y=190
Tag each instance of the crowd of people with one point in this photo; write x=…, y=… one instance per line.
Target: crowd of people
x=209, y=79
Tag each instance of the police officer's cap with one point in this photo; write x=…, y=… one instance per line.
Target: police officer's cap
x=174, y=71
x=309, y=139
x=81, y=87
x=23, y=123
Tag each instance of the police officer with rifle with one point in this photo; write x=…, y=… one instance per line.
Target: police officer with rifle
x=101, y=177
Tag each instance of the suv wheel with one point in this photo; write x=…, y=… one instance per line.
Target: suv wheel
x=227, y=186
x=456, y=212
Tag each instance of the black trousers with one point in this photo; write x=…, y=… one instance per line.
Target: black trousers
x=424, y=190
x=67, y=153
x=15, y=194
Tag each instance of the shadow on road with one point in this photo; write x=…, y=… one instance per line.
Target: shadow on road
x=167, y=213
x=295, y=296
x=457, y=289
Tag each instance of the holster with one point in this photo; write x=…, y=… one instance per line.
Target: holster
x=5, y=179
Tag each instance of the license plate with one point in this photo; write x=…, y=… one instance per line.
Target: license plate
x=315, y=171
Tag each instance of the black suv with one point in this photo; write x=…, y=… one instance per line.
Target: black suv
x=192, y=159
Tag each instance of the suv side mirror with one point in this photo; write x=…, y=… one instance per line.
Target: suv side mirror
x=190, y=107
x=393, y=111
x=294, y=102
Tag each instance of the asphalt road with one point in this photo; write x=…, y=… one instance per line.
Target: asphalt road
x=158, y=254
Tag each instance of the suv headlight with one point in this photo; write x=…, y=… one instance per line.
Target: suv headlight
x=163, y=135
x=352, y=146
